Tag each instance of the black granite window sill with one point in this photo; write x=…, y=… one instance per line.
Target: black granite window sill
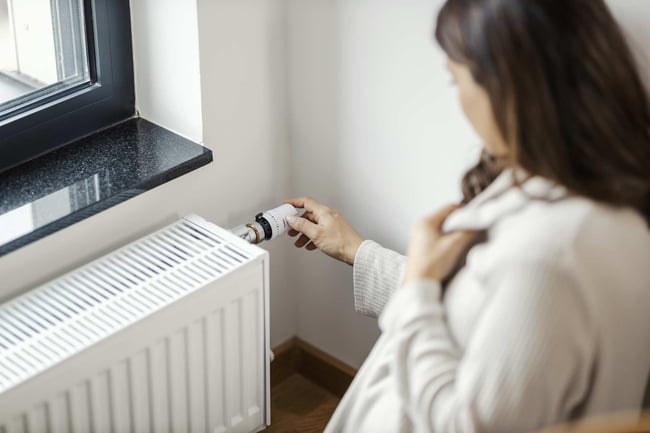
x=93, y=174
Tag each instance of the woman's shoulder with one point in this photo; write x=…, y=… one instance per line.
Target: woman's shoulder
x=575, y=231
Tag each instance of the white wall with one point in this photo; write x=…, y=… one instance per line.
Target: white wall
x=243, y=117
x=634, y=16
x=215, y=71
x=167, y=66
x=377, y=133
x=244, y=92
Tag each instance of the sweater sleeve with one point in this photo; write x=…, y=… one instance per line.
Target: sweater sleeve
x=377, y=274
x=526, y=366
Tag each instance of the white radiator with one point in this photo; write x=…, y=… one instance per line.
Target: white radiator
x=168, y=334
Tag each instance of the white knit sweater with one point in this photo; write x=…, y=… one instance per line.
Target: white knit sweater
x=548, y=321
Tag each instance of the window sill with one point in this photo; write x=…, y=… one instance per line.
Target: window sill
x=93, y=174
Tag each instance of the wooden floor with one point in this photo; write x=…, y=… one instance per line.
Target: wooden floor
x=300, y=406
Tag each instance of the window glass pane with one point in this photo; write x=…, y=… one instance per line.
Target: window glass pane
x=42, y=50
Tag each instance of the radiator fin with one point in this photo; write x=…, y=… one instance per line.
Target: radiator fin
x=186, y=381
x=216, y=380
x=47, y=325
x=176, y=385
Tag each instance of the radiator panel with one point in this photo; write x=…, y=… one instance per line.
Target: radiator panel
x=155, y=337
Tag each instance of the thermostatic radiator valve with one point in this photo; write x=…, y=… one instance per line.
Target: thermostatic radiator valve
x=267, y=225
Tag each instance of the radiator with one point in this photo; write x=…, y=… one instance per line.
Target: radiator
x=167, y=334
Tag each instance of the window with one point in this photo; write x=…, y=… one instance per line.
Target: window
x=42, y=50
x=66, y=71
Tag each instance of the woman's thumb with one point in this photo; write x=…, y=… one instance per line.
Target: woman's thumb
x=302, y=225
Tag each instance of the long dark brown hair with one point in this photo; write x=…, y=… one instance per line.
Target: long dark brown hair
x=565, y=90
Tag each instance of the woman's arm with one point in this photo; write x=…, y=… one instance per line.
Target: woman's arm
x=378, y=273
x=527, y=364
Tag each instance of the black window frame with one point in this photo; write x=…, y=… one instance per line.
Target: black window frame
x=69, y=115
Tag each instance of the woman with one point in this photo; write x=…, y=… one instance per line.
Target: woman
x=545, y=319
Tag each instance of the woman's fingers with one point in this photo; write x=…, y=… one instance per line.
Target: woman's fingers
x=307, y=215
x=297, y=202
x=310, y=216
x=310, y=205
x=324, y=229
x=439, y=218
x=463, y=237
x=457, y=242
x=302, y=241
x=432, y=254
x=303, y=226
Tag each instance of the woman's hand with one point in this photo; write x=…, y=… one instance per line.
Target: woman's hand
x=323, y=228
x=433, y=255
